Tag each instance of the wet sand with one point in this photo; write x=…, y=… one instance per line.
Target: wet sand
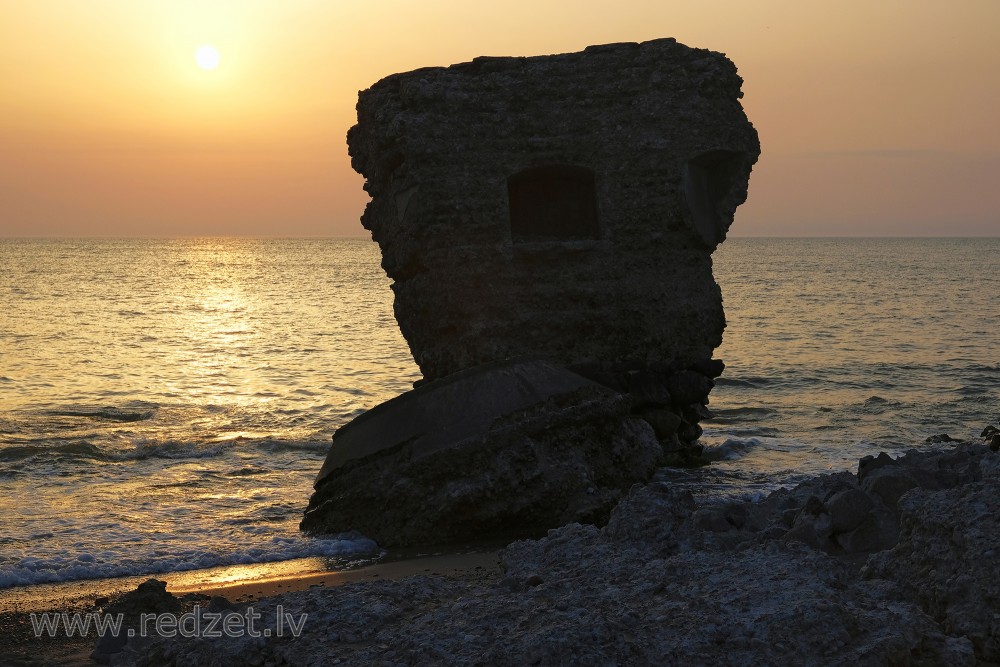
x=473, y=565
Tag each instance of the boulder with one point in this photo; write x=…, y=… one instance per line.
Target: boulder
x=665, y=422
x=150, y=597
x=877, y=531
x=689, y=387
x=848, y=510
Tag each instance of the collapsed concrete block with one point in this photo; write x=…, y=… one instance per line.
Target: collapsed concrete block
x=503, y=449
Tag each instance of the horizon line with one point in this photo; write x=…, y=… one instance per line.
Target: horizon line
x=111, y=237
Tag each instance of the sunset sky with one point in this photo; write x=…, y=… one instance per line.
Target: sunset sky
x=875, y=118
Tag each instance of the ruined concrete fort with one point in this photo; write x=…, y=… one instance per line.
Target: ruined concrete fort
x=563, y=206
x=548, y=223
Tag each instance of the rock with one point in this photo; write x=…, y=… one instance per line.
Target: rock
x=108, y=646
x=695, y=412
x=889, y=484
x=690, y=432
x=890, y=479
x=870, y=464
x=683, y=455
x=655, y=514
x=150, y=597
x=665, y=422
x=713, y=520
x=648, y=389
x=217, y=603
x=849, y=523
x=806, y=532
x=688, y=387
x=559, y=206
x=678, y=580
x=946, y=559
x=510, y=449
x=848, y=510
x=712, y=368
x=672, y=444
x=877, y=531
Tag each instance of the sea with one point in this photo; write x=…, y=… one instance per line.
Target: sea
x=165, y=405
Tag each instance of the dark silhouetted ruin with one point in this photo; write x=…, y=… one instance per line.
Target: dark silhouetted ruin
x=562, y=206
x=561, y=209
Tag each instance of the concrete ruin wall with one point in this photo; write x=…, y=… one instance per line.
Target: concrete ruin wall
x=563, y=207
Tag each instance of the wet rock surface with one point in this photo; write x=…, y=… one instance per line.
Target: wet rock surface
x=671, y=581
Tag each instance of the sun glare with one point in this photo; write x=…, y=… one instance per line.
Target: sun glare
x=207, y=57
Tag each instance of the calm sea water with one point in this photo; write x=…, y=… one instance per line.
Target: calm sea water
x=166, y=405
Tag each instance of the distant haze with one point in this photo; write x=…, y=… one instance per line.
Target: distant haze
x=876, y=118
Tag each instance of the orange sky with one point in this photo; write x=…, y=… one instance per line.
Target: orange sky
x=876, y=118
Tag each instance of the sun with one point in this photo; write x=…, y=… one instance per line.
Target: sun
x=207, y=57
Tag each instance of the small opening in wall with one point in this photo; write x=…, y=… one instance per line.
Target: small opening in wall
x=553, y=202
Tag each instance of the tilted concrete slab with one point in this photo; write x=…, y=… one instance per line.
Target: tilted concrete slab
x=446, y=412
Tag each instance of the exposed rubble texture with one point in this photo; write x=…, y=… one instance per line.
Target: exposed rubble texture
x=563, y=207
x=671, y=581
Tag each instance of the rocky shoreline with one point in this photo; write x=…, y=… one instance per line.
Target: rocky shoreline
x=894, y=565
